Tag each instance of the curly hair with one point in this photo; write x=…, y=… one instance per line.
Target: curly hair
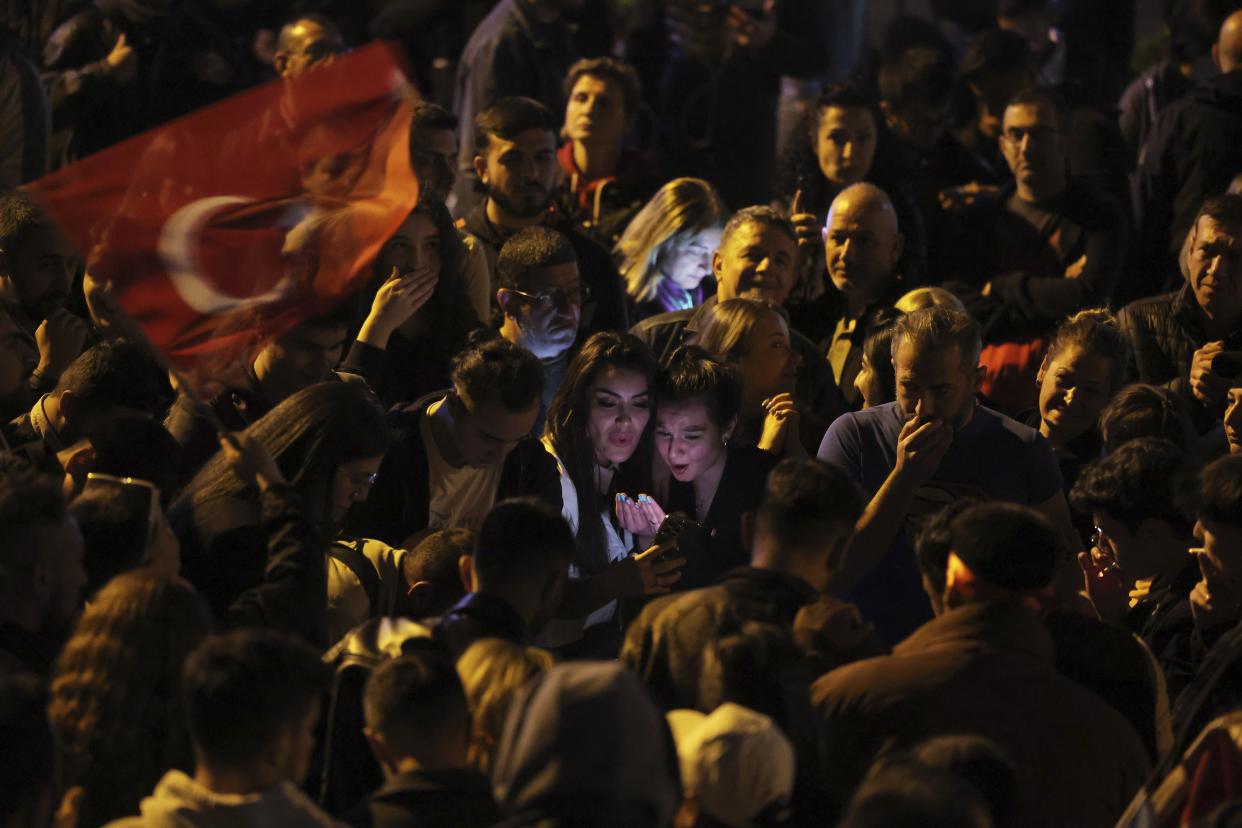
x=116, y=697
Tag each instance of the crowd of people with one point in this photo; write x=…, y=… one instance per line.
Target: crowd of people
x=751, y=425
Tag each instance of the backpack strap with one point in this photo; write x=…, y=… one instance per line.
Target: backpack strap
x=349, y=553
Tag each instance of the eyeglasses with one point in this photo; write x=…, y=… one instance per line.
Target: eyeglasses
x=556, y=297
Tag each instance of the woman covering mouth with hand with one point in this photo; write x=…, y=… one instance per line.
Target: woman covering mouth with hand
x=599, y=431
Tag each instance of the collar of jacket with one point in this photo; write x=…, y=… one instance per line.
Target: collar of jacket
x=999, y=626
x=492, y=612
x=798, y=591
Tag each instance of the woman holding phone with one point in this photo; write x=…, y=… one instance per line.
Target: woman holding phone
x=599, y=431
x=706, y=476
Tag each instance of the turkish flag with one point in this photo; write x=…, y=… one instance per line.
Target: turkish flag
x=227, y=227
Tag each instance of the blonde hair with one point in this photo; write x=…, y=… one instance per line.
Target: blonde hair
x=492, y=671
x=928, y=297
x=727, y=327
x=680, y=209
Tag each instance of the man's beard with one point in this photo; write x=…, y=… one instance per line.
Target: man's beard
x=516, y=208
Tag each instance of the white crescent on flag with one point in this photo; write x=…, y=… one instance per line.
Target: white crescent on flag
x=178, y=249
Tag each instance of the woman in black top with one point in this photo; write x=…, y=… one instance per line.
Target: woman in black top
x=705, y=476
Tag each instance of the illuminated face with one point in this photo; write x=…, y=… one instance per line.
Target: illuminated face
x=1222, y=543
x=596, y=111
x=758, y=261
x=1215, y=268
x=352, y=484
x=519, y=175
x=308, y=44
x=937, y=379
x=414, y=249
x=1233, y=420
x=870, y=386
x=845, y=144
x=486, y=432
x=619, y=408
x=861, y=248
x=1032, y=147
x=687, y=439
x=1074, y=388
x=547, y=309
x=770, y=365
x=689, y=261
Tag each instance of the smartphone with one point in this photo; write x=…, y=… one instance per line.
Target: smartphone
x=672, y=529
x=144, y=495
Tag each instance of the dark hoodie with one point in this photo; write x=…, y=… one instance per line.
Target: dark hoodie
x=1195, y=149
x=584, y=746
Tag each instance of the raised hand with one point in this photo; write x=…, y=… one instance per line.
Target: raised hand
x=641, y=516
x=61, y=338
x=398, y=299
x=250, y=460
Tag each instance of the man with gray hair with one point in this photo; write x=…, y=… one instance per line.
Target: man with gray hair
x=930, y=447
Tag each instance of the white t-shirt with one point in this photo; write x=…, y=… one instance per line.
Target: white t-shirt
x=559, y=632
x=460, y=498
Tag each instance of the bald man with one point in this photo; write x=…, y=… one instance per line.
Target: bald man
x=1194, y=151
x=304, y=42
x=862, y=245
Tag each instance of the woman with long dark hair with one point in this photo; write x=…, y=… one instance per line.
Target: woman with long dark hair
x=420, y=313
x=599, y=431
x=256, y=521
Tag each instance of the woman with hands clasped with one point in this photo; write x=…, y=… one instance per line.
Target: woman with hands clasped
x=753, y=337
x=599, y=431
x=700, y=471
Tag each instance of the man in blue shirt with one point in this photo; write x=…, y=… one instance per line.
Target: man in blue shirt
x=913, y=456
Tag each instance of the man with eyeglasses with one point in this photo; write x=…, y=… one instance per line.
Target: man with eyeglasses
x=1045, y=247
x=1142, y=536
x=540, y=299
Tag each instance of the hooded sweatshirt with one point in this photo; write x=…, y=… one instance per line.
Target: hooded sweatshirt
x=585, y=745
x=180, y=802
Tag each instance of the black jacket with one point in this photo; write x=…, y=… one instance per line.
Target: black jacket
x=665, y=644
x=447, y=798
x=1164, y=332
x=1194, y=150
x=607, y=306
x=479, y=615
x=987, y=669
x=996, y=242
x=258, y=561
x=399, y=501
x=816, y=388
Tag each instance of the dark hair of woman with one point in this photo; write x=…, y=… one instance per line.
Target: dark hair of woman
x=309, y=435
x=692, y=374
x=798, y=166
x=568, y=429
x=116, y=698
x=451, y=317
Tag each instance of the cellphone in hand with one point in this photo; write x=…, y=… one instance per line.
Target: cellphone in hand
x=672, y=529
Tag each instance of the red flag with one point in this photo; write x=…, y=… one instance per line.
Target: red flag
x=231, y=225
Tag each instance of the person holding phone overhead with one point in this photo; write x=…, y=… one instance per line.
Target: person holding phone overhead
x=599, y=431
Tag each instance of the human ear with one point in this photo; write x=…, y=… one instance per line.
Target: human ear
x=1043, y=369
x=480, y=167
x=977, y=381
x=465, y=571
